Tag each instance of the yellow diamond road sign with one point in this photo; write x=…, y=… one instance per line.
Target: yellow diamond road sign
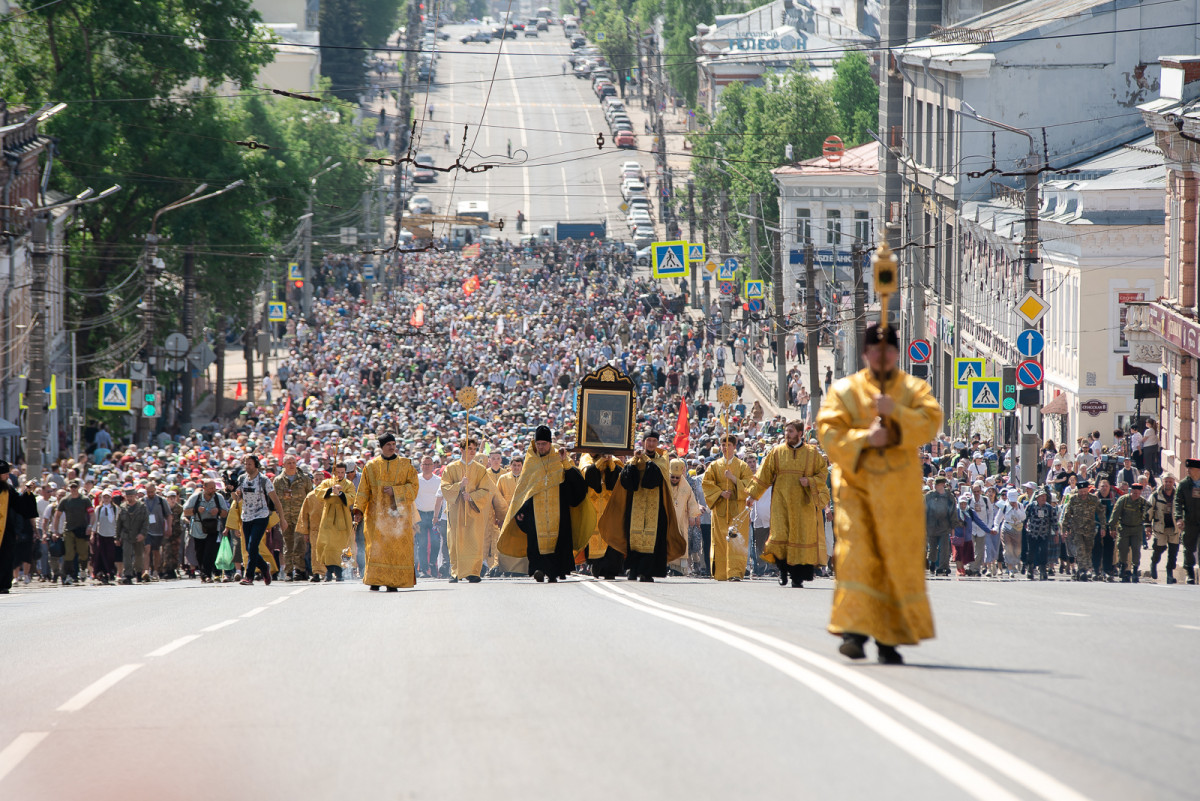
x=711, y=266
x=1031, y=308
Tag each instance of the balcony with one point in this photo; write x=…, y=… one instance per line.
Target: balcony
x=1143, y=331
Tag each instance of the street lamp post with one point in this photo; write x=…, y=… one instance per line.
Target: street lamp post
x=35, y=398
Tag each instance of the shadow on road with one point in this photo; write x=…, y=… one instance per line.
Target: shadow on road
x=975, y=669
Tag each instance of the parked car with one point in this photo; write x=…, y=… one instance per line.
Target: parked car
x=605, y=90
x=420, y=204
x=543, y=25
x=631, y=165
x=530, y=31
x=625, y=139
x=578, y=42
x=424, y=172
x=629, y=188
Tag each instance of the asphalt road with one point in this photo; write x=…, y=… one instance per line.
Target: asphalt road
x=509, y=689
x=516, y=92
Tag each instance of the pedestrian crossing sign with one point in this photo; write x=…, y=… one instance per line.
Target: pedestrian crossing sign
x=966, y=369
x=294, y=271
x=695, y=252
x=669, y=259
x=983, y=395
x=51, y=393
x=754, y=290
x=277, y=312
x=115, y=394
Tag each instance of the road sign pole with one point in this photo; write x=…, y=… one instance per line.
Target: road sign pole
x=1031, y=440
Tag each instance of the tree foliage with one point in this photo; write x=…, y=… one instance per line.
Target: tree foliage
x=856, y=97
x=129, y=73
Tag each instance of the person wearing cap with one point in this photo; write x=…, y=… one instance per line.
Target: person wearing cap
x=797, y=474
x=74, y=515
x=133, y=525
x=639, y=521
x=940, y=520
x=202, y=514
x=104, y=542
x=1082, y=515
x=1187, y=515
x=1130, y=517
x=467, y=490
x=1009, y=523
x=1164, y=525
x=384, y=504
x=687, y=508
x=172, y=543
x=549, y=518
x=292, y=486
x=1041, y=524
x=334, y=535
x=601, y=474
x=870, y=425
x=726, y=488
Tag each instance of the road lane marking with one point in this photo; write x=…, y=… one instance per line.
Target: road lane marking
x=297, y=592
x=1071, y=614
x=94, y=690
x=1186, y=626
x=18, y=749
x=279, y=600
x=1007, y=764
x=174, y=645
x=984, y=603
x=219, y=626
x=939, y=760
x=255, y=611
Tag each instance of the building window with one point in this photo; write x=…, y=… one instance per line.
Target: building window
x=862, y=227
x=1123, y=301
x=833, y=227
x=951, y=167
x=918, y=123
x=803, y=226
x=1174, y=235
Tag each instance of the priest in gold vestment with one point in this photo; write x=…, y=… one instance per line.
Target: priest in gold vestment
x=468, y=493
x=386, y=492
x=601, y=474
x=871, y=424
x=549, y=517
x=726, y=486
x=797, y=474
x=335, y=534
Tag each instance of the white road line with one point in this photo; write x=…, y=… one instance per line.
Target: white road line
x=255, y=611
x=279, y=600
x=297, y=592
x=174, y=646
x=1186, y=626
x=937, y=759
x=984, y=603
x=18, y=749
x=528, y=207
x=219, y=626
x=94, y=690
x=566, y=195
x=1071, y=614
x=1007, y=764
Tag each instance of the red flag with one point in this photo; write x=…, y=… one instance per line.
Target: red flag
x=681, y=429
x=470, y=285
x=277, y=448
x=237, y=393
x=418, y=316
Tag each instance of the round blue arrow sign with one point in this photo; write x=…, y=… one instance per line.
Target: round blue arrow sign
x=1030, y=343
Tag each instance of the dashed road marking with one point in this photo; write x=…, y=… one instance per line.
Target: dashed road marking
x=984, y=603
x=174, y=645
x=1072, y=614
x=96, y=688
x=279, y=600
x=255, y=611
x=219, y=626
x=1186, y=626
x=18, y=749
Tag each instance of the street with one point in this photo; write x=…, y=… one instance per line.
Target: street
x=507, y=689
x=557, y=172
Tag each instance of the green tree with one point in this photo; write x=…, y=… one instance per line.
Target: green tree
x=856, y=97
x=343, y=31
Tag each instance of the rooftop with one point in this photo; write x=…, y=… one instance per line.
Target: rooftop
x=861, y=160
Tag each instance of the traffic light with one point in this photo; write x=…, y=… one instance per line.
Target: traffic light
x=298, y=284
x=150, y=398
x=1008, y=389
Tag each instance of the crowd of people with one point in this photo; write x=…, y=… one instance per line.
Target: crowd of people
x=521, y=326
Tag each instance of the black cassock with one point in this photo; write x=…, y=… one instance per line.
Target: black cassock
x=646, y=564
x=559, y=564
x=611, y=562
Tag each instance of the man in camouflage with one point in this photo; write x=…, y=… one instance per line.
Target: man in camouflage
x=1129, y=516
x=172, y=544
x=292, y=487
x=133, y=525
x=1187, y=516
x=1082, y=514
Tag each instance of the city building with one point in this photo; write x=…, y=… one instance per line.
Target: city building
x=742, y=48
x=983, y=100
x=1164, y=333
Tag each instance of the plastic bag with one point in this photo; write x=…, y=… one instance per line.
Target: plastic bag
x=225, y=555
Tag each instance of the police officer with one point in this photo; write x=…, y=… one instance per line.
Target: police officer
x=1129, y=516
x=1187, y=514
x=1082, y=514
x=1162, y=522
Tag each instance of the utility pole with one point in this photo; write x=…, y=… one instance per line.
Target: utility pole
x=707, y=249
x=35, y=398
x=149, y=310
x=781, y=388
x=860, y=304
x=723, y=234
x=401, y=135
x=691, y=185
x=814, y=336
x=753, y=237
x=1031, y=432
x=219, y=353
x=306, y=291
x=189, y=314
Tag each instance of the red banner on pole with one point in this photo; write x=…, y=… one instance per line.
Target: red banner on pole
x=277, y=448
x=681, y=429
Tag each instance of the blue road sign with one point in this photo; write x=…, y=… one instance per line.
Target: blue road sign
x=114, y=394
x=1030, y=343
x=277, y=312
x=727, y=270
x=669, y=259
x=1030, y=374
x=967, y=369
x=919, y=351
x=696, y=252
x=754, y=289
x=983, y=395
x=754, y=304
x=726, y=287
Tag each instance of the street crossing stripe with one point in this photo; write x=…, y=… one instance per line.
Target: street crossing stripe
x=1012, y=767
